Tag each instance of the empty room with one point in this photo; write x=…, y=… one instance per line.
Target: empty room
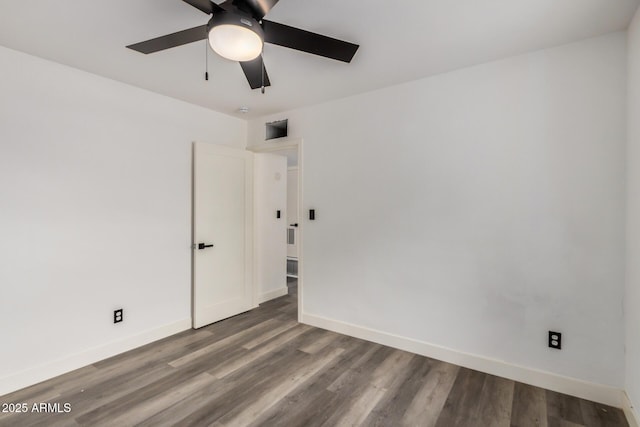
x=320, y=213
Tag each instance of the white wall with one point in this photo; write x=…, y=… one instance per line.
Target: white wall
x=632, y=297
x=94, y=215
x=270, y=189
x=477, y=209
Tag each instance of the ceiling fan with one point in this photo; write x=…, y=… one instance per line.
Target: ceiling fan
x=237, y=31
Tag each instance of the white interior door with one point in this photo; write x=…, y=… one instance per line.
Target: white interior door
x=292, y=212
x=222, y=233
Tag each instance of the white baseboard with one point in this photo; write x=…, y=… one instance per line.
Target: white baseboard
x=574, y=387
x=630, y=411
x=72, y=362
x=272, y=294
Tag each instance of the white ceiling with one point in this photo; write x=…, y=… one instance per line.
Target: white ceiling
x=400, y=41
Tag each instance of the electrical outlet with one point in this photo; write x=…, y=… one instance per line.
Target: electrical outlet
x=555, y=340
x=118, y=315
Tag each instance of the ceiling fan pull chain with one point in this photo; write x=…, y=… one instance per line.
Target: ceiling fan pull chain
x=262, y=60
x=206, y=61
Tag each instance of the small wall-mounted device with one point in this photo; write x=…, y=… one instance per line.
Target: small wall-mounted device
x=118, y=315
x=278, y=214
x=312, y=214
x=555, y=340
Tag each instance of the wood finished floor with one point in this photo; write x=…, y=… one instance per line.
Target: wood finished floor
x=262, y=368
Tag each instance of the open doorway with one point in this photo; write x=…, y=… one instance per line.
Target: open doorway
x=293, y=224
x=292, y=235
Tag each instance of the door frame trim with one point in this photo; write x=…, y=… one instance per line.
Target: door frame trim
x=273, y=147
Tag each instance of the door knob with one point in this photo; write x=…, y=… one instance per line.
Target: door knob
x=202, y=246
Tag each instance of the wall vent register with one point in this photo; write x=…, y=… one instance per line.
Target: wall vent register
x=277, y=129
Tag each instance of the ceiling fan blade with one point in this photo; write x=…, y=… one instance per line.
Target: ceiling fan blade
x=207, y=6
x=306, y=41
x=225, y=5
x=260, y=7
x=253, y=71
x=171, y=40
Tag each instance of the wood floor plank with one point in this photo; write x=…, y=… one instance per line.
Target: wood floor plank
x=255, y=330
x=360, y=408
x=400, y=394
x=496, y=402
x=360, y=369
x=174, y=413
x=201, y=405
x=266, y=336
x=320, y=343
x=529, y=406
x=150, y=391
x=241, y=322
x=462, y=405
x=45, y=420
x=365, y=385
x=386, y=372
x=557, y=422
x=562, y=407
x=97, y=395
x=427, y=404
x=109, y=375
x=239, y=390
x=279, y=389
x=308, y=406
x=138, y=413
x=598, y=415
x=158, y=350
x=227, y=368
x=386, y=380
x=309, y=413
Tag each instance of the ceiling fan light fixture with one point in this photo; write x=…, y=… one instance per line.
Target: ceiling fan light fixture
x=235, y=37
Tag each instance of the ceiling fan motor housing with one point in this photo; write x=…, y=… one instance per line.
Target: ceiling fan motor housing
x=235, y=18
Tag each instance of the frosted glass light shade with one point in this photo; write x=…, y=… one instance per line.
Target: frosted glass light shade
x=235, y=42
